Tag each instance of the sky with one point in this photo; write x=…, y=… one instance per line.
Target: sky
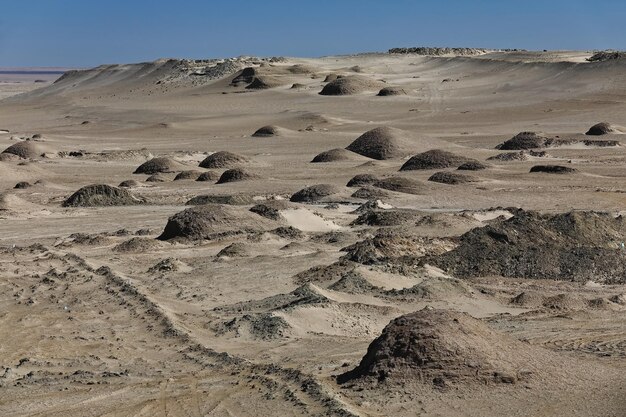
x=85, y=33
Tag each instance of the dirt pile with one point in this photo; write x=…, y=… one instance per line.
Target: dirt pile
x=451, y=178
x=335, y=155
x=264, y=82
x=601, y=128
x=443, y=347
x=223, y=159
x=157, y=178
x=129, y=184
x=235, y=175
x=360, y=180
x=267, y=131
x=391, y=217
x=400, y=185
x=434, y=159
x=22, y=185
x=472, y=166
x=234, y=250
x=525, y=140
x=245, y=76
x=102, y=195
x=208, y=176
x=157, y=165
x=391, y=91
x=518, y=156
x=211, y=221
x=553, y=169
x=314, y=193
x=229, y=199
x=271, y=209
x=574, y=246
x=26, y=149
x=353, y=84
x=137, y=245
x=382, y=143
x=188, y=175
x=368, y=192
x=607, y=56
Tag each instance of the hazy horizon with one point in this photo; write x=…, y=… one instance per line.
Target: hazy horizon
x=70, y=33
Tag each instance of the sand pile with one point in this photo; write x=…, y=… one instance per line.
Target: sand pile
x=211, y=221
x=332, y=77
x=26, y=149
x=518, y=156
x=208, y=176
x=525, y=140
x=129, y=184
x=22, y=185
x=235, y=175
x=223, y=159
x=271, y=209
x=314, y=193
x=391, y=91
x=434, y=159
x=267, y=131
x=137, y=245
x=472, y=166
x=157, y=178
x=369, y=192
x=234, y=250
x=391, y=217
x=335, y=155
x=601, y=128
x=553, y=169
x=575, y=246
x=382, y=143
x=400, y=185
x=451, y=178
x=188, y=175
x=102, y=195
x=352, y=84
x=360, y=180
x=245, y=76
x=264, y=82
x=228, y=199
x=160, y=164
x=443, y=347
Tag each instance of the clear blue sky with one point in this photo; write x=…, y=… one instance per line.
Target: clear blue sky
x=92, y=32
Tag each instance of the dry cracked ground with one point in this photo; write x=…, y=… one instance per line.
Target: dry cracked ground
x=371, y=235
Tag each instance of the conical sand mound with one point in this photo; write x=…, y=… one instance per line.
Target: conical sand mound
x=223, y=159
x=382, y=143
x=160, y=164
x=314, y=193
x=442, y=347
x=335, y=155
x=267, y=131
x=602, y=128
x=101, y=195
x=26, y=149
x=350, y=85
x=434, y=159
x=235, y=175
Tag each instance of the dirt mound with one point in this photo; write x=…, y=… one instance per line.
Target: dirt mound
x=381, y=143
x=22, y=185
x=26, y=149
x=231, y=200
x=236, y=174
x=601, y=128
x=525, y=140
x=334, y=155
x=129, y=184
x=400, y=185
x=352, y=84
x=392, y=217
x=314, y=193
x=157, y=178
x=288, y=232
x=234, y=250
x=332, y=77
x=101, y=195
x=574, y=246
x=137, y=245
x=160, y=164
x=553, y=169
x=245, y=76
x=210, y=221
x=472, y=166
x=451, y=178
x=443, y=347
x=528, y=299
x=208, y=176
x=434, y=159
x=360, y=180
x=263, y=83
x=188, y=175
x=391, y=91
x=271, y=209
x=368, y=193
x=518, y=156
x=606, y=56
x=223, y=159
x=267, y=131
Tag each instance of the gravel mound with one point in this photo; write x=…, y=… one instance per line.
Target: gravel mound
x=553, y=169
x=391, y=217
x=188, y=175
x=156, y=165
x=349, y=85
x=234, y=250
x=137, y=245
x=332, y=77
x=157, y=178
x=245, y=76
x=391, y=91
x=451, y=178
x=472, y=166
x=360, y=180
x=26, y=149
x=574, y=246
x=208, y=176
x=400, y=185
x=231, y=200
x=101, y=195
x=434, y=159
x=263, y=83
x=443, y=347
x=334, y=155
x=271, y=209
x=235, y=175
x=129, y=184
x=381, y=143
x=314, y=193
x=223, y=159
x=601, y=128
x=267, y=131
x=368, y=193
x=524, y=140
x=606, y=56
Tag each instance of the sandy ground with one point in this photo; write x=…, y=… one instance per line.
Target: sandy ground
x=171, y=329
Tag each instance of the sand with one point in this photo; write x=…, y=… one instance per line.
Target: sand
x=97, y=315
